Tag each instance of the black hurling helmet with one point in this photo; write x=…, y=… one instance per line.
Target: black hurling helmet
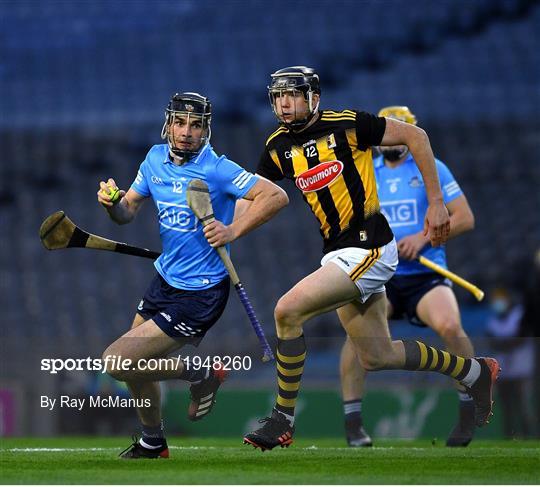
x=295, y=78
x=187, y=104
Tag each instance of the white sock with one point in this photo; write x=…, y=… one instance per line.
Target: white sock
x=474, y=373
x=288, y=417
x=352, y=406
x=147, y=446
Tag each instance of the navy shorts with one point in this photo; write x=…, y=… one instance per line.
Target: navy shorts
x=405, y=292
x=184, y=314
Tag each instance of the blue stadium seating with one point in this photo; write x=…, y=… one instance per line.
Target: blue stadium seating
x=84, y=86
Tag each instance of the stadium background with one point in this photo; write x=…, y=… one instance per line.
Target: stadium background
x=83, y=89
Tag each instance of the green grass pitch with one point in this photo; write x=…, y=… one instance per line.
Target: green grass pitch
x=73, y=460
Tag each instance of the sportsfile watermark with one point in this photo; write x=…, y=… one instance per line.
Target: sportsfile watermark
x=119, y=363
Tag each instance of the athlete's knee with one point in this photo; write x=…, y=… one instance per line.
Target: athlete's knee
x=448, y=327
x=286, y=314
x=375, y=353
x=370, y=362
x=112, y=364
x=372, y=358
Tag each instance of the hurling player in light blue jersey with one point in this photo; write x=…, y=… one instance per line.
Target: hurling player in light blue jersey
x=191, y=287
x=415, y=291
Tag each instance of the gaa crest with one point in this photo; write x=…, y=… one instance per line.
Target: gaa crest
x=331, y=141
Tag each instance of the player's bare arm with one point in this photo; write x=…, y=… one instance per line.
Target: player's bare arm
x=437, y=220
x=461, y=216
x=461, y=221
x=241, y=207
x=266, y=199
x=123, y=210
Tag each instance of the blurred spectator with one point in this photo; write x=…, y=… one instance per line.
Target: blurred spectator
x=515, y=354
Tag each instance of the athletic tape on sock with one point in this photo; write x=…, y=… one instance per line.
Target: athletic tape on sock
x=474, y=373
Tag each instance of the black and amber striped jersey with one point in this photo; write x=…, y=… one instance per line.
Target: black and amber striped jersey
x=331, y=164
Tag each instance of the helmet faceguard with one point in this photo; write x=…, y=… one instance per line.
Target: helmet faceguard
x=402, y=113
x=189, y=105
x=295, y=79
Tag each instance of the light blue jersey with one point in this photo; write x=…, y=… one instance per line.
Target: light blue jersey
x=188, y=261
x=404, y=203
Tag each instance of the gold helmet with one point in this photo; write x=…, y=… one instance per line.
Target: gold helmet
x=399, y=113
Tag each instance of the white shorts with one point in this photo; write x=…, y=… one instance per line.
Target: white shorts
x=369, y=269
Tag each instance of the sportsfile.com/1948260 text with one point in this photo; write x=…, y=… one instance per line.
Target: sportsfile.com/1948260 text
x=228, y=362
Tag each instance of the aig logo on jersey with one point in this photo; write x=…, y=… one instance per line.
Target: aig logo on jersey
x=320, y=176
x=400, y=213
x=176, y=217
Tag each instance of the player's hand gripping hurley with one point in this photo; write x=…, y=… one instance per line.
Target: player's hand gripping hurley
x=198, y=198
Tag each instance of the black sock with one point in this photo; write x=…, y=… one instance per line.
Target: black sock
x=194, y=375
x=353, y=412
x=152, y=436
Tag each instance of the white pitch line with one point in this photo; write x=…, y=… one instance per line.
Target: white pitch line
x=371, y=448
x=26, y=450
x=55, y=449
x=312, y=447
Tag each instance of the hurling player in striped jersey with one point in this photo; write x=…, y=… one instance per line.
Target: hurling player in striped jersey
x=327, y=153
x=416, y=292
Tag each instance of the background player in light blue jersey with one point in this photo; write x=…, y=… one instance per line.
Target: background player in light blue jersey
x=414, y=291
x=191, y=288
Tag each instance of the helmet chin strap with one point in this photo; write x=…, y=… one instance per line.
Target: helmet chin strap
x=312, y=110
x=186, y=155
x=300, y=124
